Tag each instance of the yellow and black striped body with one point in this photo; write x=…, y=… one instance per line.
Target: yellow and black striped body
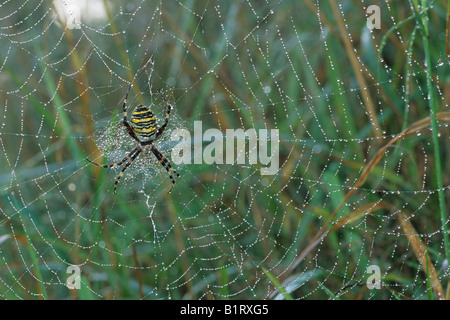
x=143, y=121
x=143, y=124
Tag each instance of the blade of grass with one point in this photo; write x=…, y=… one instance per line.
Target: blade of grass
x=277, y=284
x=385, y=38
x=223, y=273
x=357, y=69
x=82, y=80
x=57, y=102
x=85, y=292
x=421, y=253
x=423, y=25
x=357, y=214
x=37, y=270
x=328, y=292
x=122, y=51
x=429, y=286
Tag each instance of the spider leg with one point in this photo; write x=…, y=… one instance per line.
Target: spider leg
x=125, y=122
x=166, y=164
x=166, y=121
x=128, y=156
x=125, y=167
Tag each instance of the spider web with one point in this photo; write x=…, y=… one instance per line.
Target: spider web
x=225, y=229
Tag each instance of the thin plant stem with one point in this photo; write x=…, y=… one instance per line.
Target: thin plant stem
x=435, y=133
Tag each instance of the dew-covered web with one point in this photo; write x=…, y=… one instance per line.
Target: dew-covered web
x=309, y=70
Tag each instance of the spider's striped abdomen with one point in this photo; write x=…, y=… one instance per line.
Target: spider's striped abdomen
x=143, y=121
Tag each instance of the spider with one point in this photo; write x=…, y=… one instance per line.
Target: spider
x=143, y=125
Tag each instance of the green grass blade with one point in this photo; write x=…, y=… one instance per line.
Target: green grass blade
x=277, y=284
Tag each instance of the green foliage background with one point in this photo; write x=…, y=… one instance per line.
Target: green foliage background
x=363, y=120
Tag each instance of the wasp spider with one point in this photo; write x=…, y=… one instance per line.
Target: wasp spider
x=143, y=126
